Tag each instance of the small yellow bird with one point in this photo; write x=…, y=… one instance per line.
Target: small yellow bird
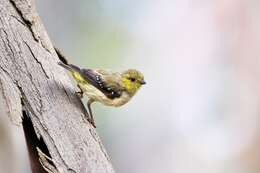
x=109, y=88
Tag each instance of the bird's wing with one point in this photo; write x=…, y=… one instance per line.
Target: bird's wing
x=107, y=82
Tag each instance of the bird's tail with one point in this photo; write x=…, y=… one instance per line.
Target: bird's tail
x=75, y=71
x=69, y=67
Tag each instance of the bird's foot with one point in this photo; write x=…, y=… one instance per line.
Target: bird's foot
x=92, y=122
x=79, y=94
x=87, y=119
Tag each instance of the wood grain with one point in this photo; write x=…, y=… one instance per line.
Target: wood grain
x=33, y=82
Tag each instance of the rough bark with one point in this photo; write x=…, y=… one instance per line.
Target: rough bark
x=32, y=84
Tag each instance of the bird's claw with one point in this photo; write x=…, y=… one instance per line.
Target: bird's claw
x=92, y=122
x=79, y=94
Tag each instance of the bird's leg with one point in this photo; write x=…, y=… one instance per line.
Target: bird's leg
x=80, y=93
x=91, y=120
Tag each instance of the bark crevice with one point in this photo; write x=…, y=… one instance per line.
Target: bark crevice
x=25, y=20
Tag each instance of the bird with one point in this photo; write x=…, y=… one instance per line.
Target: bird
x=104, y=86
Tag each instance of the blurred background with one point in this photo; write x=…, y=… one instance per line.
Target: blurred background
x=200, y=109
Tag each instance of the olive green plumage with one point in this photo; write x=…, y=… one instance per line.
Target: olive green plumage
x=109, y=88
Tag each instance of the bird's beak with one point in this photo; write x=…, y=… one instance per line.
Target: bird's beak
x=142, y=82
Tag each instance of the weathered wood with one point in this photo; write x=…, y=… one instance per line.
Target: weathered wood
x=31, y=80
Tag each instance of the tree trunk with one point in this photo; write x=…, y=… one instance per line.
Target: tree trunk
x=37, y=92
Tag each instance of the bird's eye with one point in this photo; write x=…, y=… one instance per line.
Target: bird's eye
x=131, y=79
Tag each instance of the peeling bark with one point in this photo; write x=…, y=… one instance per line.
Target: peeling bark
x=33, y=82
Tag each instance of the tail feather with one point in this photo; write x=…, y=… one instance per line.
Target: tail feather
x=75, y=71
x=69, y=67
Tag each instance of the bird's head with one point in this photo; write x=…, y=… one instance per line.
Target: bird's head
x=132, y=80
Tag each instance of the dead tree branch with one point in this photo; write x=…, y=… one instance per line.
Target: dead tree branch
x=34, y=88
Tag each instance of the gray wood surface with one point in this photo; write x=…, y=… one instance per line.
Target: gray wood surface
x=31, y=80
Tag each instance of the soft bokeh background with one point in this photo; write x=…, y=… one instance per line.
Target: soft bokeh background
x=199, y=111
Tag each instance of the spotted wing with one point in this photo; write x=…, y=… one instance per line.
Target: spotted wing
x=104, y=81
